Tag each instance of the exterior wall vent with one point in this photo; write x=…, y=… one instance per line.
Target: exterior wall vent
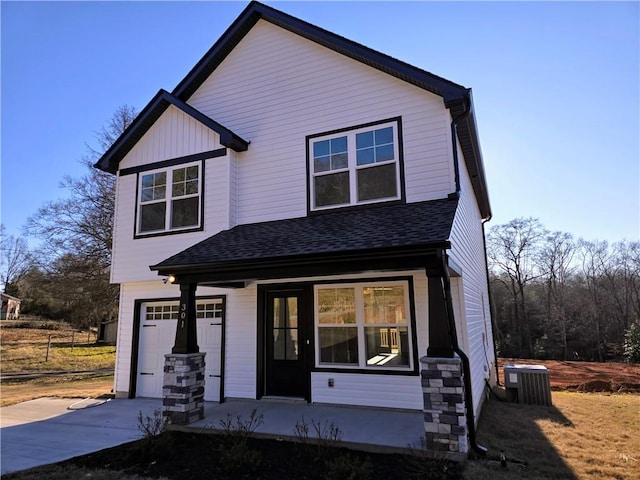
x=527, y=384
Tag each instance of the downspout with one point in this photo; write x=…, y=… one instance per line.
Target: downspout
x=454, y=144
x=466, y=367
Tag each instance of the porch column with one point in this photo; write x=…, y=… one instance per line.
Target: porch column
x=442, y=378
x=183, y=386
x=440, y=344
x=186, y=332
x=445, y=422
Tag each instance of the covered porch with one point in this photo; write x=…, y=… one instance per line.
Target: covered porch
x=363, y=428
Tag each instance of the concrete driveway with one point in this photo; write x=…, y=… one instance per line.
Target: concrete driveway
x=48, y=430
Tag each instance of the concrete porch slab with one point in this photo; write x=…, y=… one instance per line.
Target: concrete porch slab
x=365, y=428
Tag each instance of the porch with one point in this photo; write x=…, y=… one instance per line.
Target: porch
x=364, y=428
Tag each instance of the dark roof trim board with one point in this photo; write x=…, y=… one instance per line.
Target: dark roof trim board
x=144, y=121
x=378, y=237
x=468, y=137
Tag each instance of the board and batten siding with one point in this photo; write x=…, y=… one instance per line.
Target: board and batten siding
x=175, y=134
x=275, y=88
x=472, y=289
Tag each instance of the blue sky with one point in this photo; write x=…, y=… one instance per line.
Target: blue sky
x=555, y=84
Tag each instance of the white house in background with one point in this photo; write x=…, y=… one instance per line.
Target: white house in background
x=10, y=307
x=322, y=204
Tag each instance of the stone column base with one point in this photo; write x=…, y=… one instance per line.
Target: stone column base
x=183, y=388
x=445, y=422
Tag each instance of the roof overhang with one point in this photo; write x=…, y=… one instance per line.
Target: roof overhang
x=388, y=237
x=467, y=130
x=306, y=265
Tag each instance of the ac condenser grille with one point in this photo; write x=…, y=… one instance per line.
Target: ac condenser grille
x=528, y=384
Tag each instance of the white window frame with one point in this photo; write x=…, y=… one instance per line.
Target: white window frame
x=360, y=326
x=168, y=199
x=352, y=167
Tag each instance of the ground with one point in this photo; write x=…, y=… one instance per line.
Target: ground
x=582, y=436
x=177, y=455
x=586, y=376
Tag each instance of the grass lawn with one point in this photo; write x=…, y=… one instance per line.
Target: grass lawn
x=583, y=436
x=25, y=350
x=76, y=386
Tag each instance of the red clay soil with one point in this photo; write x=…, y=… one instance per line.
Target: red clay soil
x=585, y=376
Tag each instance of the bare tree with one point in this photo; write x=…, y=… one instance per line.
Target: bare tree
x=555, y=261
x=594, y=255
x=511, y=249
x=76, y=231
x=15, y=260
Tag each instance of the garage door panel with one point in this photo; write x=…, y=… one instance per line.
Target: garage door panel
x=157, y=336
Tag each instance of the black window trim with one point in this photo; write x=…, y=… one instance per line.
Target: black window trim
x=167, y=166
x=172, y=162
x=412, y=322
x=402, y=196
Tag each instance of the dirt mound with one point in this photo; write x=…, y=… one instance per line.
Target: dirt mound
x=585, y=376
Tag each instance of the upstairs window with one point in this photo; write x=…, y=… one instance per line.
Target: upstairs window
x=169, y=200
x=354, y=167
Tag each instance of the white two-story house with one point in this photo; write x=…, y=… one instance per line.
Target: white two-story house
x=321, y=204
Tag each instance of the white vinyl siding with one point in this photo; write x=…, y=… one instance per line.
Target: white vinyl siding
x=241, y=343
x=372, y=390
x=393, y=391
x=240, y=331
x=468, y=252
x=132, y=257
x=387, y=391
x=276, y=88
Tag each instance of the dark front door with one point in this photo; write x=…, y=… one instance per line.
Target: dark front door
x=286, y=344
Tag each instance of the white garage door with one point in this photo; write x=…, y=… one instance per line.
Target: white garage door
x=158, y=322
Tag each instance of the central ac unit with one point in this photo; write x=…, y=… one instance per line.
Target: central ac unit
x=527, y=384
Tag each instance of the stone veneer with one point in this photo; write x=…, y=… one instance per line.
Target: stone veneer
x=183, y=388
x=445, y=421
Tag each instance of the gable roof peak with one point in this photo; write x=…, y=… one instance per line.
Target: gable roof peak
x=148, y=116
x=256, y=11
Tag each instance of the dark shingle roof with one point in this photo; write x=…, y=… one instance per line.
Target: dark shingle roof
x=383, y=228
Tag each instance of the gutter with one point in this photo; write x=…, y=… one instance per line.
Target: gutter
x=468, y=396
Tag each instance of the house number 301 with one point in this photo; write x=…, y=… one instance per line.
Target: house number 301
x=183, y=314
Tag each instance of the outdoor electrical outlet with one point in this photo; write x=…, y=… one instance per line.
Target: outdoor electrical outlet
x=330, y=382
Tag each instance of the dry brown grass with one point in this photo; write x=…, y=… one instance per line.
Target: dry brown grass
x=25, y=350
x=583, y=436
x=62, y=387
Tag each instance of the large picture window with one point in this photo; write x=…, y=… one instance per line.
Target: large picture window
x=363, y=326
x=169, y=200
x=355, y=167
